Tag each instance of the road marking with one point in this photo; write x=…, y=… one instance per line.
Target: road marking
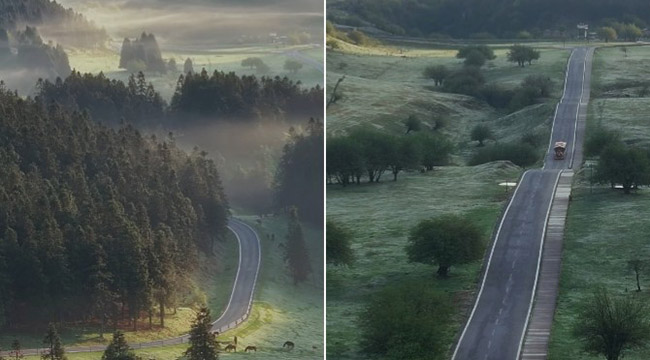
x=487, y=268
x=539, y=264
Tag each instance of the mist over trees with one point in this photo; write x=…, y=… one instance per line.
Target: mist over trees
x=142, y=52
x=299, y=178
x=63, y=25
x=97, y=224
x=200, y=96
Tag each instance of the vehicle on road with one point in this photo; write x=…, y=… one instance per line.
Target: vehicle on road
x=560, y=149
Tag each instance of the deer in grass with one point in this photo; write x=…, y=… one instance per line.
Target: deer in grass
x=251, y=348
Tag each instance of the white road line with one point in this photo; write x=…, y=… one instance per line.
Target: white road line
x=539, y=265
x=487, y=268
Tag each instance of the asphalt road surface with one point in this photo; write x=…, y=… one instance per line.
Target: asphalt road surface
x=240, y=302
x=497, y=323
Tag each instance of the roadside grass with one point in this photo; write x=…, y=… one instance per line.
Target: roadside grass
x=281, y=311
x=227, y=60
x=214, y=278
x=604, y=230
x=616, y=74
x=380, y=216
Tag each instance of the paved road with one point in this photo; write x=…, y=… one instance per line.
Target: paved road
x=498, y=320
x=241, y=298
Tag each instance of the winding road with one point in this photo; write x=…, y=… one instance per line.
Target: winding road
x=241, y=298
x=497, y=324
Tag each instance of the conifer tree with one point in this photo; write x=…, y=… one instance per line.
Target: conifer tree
x=203, y=344
x=53, y=342
x=118, y=349
x=296, y=253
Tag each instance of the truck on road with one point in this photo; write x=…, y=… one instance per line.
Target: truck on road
x=560, y=149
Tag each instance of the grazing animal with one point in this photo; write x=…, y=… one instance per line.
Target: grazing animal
x=251, y=348
x=289, y=345
x=232, y=347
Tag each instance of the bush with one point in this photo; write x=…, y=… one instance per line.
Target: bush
x=481, y=133
x=406, y=321
x=519, y=154
x=468, y=81
x=333, y=44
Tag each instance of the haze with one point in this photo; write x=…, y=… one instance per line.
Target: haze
x=201, y=23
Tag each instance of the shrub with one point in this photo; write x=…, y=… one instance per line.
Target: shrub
x=406, y=321
x=598, y=139
x=519, y=154
x=468, y=81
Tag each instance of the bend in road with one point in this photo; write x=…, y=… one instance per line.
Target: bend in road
x=239, y=304
x=497, y=323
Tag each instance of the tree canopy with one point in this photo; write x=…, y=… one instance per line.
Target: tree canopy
x=94, y=220
x=445, y=241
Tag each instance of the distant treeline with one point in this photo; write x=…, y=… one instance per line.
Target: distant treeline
x=199, y=99
x=487, y=18
x=97, y=224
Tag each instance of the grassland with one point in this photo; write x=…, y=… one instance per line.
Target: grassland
x=226, y=59
x=606, y=228
x=381, y=216
x=281, y=311
x=383, y=87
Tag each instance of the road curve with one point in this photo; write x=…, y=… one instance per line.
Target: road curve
x=497, y=323
x=241, y=298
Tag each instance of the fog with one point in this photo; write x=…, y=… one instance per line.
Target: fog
x=202, y=23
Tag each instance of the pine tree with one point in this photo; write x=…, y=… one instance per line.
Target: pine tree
x=203, y=344
x=118, y=349
x=296, y=250
x=53, y=342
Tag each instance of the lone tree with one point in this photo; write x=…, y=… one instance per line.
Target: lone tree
x=53, y=342
x=522, y=54
x=607, y=33
x=118, y=349
x=251, y=62
x=338, y=240
x=446, y=241
x=412, y=123
x=481, y=133
x=436, y=72
x=203, y=344
x=484, y=50
x=292, y=65
x=475, y=58
x=296, y=253
x=627, y=166
x=609, y=326
x=405, y=321
x=637, y=266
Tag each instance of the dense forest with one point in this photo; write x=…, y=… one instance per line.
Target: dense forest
x=61, y=24
x=199, y=99
x=485, y=18
x=97, y=224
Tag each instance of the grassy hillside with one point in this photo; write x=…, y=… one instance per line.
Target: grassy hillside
x=606, y=228
x=384, y=85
